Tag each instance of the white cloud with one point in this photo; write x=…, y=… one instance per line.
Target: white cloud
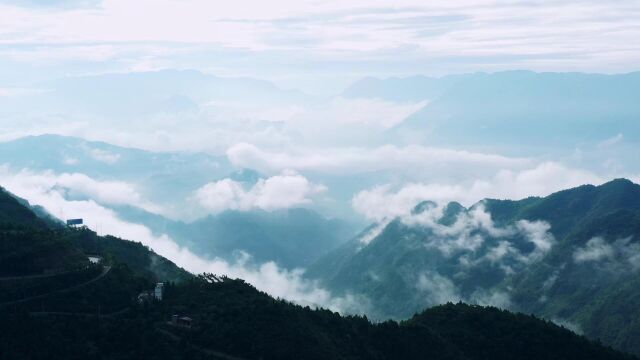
x=358, y=160
x=595, y=250
x=537, y=232
x=382, y=201
x=367, y=113
x=268, y=277
x=18, y=92
x=497, y=298
x=104, y=156
x=569, y=325
x=468, y=233
x=543, y=34
x=621, y=252
x=373, y=232
x=277, y=192
x=76, y=186
x=439, y=289
x=610, y=141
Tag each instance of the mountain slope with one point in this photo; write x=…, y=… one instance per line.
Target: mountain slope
x=292, y=237
x=415, y=88
x=573, y=256
x=93, y=312
x=557, y=109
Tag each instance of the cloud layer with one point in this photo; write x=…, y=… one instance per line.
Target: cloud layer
x=45, y=190
x=384, y=201
x=341, y=36
x=283, y=191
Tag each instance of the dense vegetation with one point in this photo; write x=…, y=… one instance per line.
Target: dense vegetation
x=598, y=296
x=292, y=237
x=231, y=318
x=94, y=312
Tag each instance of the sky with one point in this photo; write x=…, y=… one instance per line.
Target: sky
x=317, y=46
x=260, y=83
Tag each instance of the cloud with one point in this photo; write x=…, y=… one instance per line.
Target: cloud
x=475, y=256
x=76, y=186
x=268, y=277
x=619, y=255
x=547, y=35
x=497, y=298
x=610, y=141
x=569, y=325
x=104, y=156
x=537, y=232
x=438, y=289
x=474, y=235
x=51, y=3
x=359, y=160
x=384, y=201
x=369, y=113
x=595, y=250
x=277, y=192
x=20, y=92
x=372, y=232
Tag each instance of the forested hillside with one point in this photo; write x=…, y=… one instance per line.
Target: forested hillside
x=572, y=257
x=94, y=311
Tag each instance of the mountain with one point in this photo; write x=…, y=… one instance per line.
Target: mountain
x=93, y=311
x=172, y=174
x=572, y=257
x=118, y=96
x=410, y=89
x=559, y=109
x=156, y=180
x=30, y=245
x=290, y=237
x=515, y=111
x=14, y=212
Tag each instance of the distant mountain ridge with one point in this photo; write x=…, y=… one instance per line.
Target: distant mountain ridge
x=97, y=310
x=572, y=256
x=291, y=237
x=523, y=108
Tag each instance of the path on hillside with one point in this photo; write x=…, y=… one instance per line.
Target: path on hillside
x=60, y=313
x=39, y=276
x=218, y=354
x=105, y=271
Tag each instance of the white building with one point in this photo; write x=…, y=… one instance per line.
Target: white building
x=158, y=291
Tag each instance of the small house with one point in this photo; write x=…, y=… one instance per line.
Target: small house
x=158, y=291
x=181, y=321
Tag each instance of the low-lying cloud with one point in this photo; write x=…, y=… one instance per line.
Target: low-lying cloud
x=387, y=201
x=359, y=160
x=470, y=257
x=76, y=186
x=475, y=239
x=623, y=253
x=43, y=190
x=282, y=191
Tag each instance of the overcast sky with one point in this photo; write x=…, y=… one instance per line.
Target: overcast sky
x=328, y=152
x=315, y=45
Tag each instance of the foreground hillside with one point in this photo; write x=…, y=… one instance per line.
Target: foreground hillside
x=232, y=320
x=572, y=257
x=92, y=310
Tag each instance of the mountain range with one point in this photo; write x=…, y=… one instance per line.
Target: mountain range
x=80, y=308
x=147, y=188
x=572, y=257
x=514, y=111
